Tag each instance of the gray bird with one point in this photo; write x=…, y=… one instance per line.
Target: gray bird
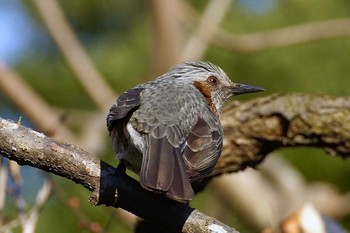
x=168, y=130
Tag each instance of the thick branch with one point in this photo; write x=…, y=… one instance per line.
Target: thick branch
x=28, y=147
x=109, y=187
x=252, y=130
x=255, y=128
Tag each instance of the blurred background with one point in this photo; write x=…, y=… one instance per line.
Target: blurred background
x=62, y=64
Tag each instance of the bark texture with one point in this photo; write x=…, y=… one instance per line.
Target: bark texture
x=252, y=130
x=255, y=128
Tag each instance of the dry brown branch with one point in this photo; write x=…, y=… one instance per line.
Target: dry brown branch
x=196, y=46
x=109, y=187
x=3, y=184
x=29, y=220
x=258, y=127
x=47, y=119
x=252, y=130
x=74, y=53
x=32, y=105
x=93, y=133
x=253, y=42
x=291, y=35
x=277, y=182
x=167, y=35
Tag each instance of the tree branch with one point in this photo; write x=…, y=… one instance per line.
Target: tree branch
x=167, y=34
x=45, y=117
x=260, y=126
x=74, y=53
x=109, y=187
x=256, y=41
x=195, y=46
x=291, y=35
x=252, y=130
x=26, y=99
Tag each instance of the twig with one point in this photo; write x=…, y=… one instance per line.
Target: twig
x=74, y=53
x=39, y=112
x=73, y=203
x=276, y=181
x=47, y=119
x=286, y=36
x=3, y=184
x=94, y=133
x=167, y=35
x=254, y=42
x=29, y=222
x=195, y=46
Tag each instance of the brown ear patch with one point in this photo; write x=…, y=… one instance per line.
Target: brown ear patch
x=204, y=88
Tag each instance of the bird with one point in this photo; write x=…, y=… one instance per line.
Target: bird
x=168, y=130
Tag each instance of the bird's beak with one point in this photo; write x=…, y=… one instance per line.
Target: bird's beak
x=239, y=89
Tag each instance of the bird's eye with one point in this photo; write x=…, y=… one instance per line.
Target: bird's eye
x=213, y=80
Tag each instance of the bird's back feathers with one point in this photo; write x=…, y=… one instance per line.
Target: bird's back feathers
x=183, y=138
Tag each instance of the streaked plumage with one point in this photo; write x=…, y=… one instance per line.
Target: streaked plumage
x=168, y=130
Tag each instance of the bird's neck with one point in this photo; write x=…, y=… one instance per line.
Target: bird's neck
x=204, y=88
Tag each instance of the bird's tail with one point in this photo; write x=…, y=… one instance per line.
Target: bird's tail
x=163, y=170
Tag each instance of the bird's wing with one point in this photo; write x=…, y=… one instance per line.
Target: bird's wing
x=170, y=169
x=164, y=124
x=203, y=147
x=125, y=103
x=119, y=115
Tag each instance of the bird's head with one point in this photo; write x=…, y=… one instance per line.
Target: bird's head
x=211, y=81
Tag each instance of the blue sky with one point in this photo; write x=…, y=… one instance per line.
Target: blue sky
x=16, y=31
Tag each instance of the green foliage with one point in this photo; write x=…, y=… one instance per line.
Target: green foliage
x=59, y=216
x=316, y=165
